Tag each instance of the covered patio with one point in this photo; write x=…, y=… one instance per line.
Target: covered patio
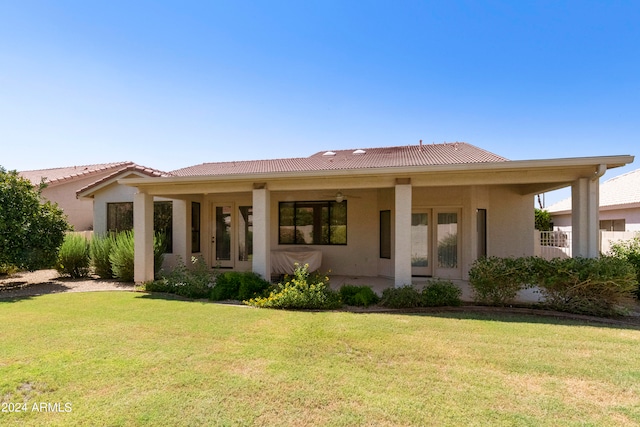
x=393, y=216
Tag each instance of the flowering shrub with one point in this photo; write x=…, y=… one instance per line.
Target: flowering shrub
x=194, y=282
x=300, y=291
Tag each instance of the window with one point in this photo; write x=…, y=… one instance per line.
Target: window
x=195, y=227
x=119, y=216
x=613, y=225
x=163, y=222
x=447, y=240
x=313, y=223
x=482, y=232
x=385, y=234
x=245, y=233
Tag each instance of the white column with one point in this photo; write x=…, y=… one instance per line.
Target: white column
x=143, y=237
x=585, y=219
x=402, y=254
x=261, y=235
x=182, y=230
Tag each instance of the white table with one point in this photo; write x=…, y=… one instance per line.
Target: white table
x=283, y=260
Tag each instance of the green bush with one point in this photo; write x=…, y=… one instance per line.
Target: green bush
x=439, y=293
x=360, y=296
x=100, y=250
x=403, y=297
x=496, y=281
x=194, y=282
x=629, y=250
x=596, y=286
x=73, y=257
x=122, y=256
x=31, y=229
x=238, y=286
x=300, y=291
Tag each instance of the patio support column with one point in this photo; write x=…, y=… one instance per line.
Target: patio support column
x=181, y=231
x=261, y=236
x=402, y=255
x=143, y=237
x=585, y=218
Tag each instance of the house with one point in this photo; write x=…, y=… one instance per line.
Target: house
x=63, y=183
x=396, y=212
x=619, y=205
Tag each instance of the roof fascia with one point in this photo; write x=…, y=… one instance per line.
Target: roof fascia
x=514, y=165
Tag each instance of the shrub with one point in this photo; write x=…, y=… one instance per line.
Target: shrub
x=441, y=293
x=73, y=257
x=629, y=250
x=238, y=286
x=596, y=286
x=194, y=282
x=361, y=296
x=31, y=229
x=100, y=249
x=403, y=297
x=496, y=281
x=300, y=291
x=122, y=256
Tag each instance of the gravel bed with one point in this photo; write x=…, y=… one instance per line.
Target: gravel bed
x=49, y=281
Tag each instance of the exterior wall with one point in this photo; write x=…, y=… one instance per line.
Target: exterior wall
x=360, y=255
x=113, y=193
x=631, y=217
x=510, y=223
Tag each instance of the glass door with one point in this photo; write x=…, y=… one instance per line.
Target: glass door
x=420, y=242
x=447, y=243
x=221, y=240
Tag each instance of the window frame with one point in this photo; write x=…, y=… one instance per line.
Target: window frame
x=317, y=220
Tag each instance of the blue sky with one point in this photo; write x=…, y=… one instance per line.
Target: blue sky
x=171, y=84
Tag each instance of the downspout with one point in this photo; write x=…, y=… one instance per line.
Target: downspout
x=599, y=172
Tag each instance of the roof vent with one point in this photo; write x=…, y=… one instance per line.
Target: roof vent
x=359, y=152
x=329, y=154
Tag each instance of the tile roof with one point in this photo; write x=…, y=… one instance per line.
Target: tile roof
x=385, y=157
x=58, y=175
x=129, y=167
x=619, y=190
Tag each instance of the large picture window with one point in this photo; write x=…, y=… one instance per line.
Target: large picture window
x=313, y=223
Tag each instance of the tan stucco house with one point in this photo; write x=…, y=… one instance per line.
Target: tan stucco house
x=395, y=212
x=63, y=183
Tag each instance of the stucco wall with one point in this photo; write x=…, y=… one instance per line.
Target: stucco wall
x=631, y=217
x=510, y=225
x=113, y=193
x=79, y=211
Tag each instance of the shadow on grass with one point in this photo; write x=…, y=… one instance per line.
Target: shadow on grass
x=170, y=297
x=524, y=315
x=18, y=291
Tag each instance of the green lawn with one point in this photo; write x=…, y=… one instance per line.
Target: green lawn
x=120, y=358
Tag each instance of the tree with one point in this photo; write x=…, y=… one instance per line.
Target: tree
x=31, y=231
x=543, y=220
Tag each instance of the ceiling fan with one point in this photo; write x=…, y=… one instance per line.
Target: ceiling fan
x=339, y=196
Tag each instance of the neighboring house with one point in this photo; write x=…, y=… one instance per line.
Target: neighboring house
x=396, y=212
x=62, y=184
x=619, y=205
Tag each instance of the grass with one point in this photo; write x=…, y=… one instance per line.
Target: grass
x=125, y=359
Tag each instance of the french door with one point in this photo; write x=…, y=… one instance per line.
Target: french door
x=435, y=243
x=421, y=264
x=222, y=236
x=231, y=236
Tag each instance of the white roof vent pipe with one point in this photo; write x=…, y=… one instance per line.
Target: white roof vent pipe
x=359, y=152
x=329, y=154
